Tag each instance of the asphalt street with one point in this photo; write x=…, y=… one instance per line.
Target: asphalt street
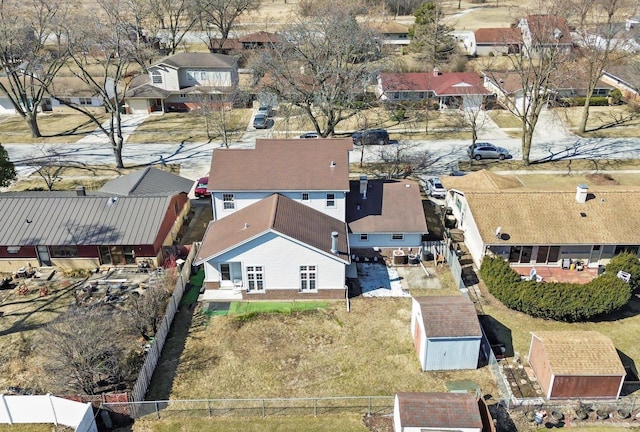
x=551, y=141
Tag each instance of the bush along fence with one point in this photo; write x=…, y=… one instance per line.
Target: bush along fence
x=155, y=348
x=255, y=407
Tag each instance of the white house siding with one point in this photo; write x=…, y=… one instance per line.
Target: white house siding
x=138, y=106
x=5, y=106
x=169, y=78
x=205, y=77
x=317, y=201
x=384, y=240
x=462, y=213
x=281, y=259
x=485, y=50
x=451, y=353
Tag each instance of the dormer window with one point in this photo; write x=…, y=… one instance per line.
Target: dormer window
x=156, y=77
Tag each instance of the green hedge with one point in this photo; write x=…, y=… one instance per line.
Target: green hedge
x=579, y=101
x=557, y=301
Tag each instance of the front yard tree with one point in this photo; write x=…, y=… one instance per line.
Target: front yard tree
x=219, y=119
x=48, y=164
x=171, y=20
x=28, y=60
x=220, y=16
x=7, y=169
x=429, y=35
x=322, y=64
x=597, y=28
x=102, y=52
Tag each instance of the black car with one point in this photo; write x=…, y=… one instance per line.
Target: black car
x=370, y=137
x=260, y=121
x=308, y=135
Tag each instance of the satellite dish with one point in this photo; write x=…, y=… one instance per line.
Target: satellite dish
x=498, y=232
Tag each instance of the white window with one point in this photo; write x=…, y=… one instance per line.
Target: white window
x=84, y=101
x=308, y=277
x=255, y=278
x=331, y=200
x=397, y=236
x=156, y=77
x=13, y=249
x=364, y=237
x=228, y=201
x=305, y=196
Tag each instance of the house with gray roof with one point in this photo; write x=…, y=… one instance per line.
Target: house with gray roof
x=147, y=181
x=184, y=82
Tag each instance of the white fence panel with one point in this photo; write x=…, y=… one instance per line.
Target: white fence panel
x=47, y=409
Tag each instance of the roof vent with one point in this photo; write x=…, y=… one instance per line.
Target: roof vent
x=80, y=191
x=246, y=225
x=364, y=184
x=581, y=193
x=436, y=71
x=111, y=201
x=333, y=163
x=334, y=242
x=408, y=185
x=583, y=214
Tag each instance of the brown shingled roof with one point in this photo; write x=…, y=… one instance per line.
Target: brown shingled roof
x=610, y=215
x=279, y=214
x=283, y=165
x=449, y=316
x=498, y=36
x=580, y=353
x=439, y=410
x=391, y=206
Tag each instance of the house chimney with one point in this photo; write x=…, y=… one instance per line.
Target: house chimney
x=334, y=242
x=436, y=71
x=581, y=193
x=364, y=184
x=80, y=191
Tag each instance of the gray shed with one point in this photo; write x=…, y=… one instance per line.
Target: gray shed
x=446, y=332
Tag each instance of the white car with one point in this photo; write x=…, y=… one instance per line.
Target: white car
x=435, y=188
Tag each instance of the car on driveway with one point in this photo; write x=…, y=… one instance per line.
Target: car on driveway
x=309, y=135
x=484, y=150
x=264, y=109
x=260, y=121
x=435, y=188
x=201, y=188
x=370, y=137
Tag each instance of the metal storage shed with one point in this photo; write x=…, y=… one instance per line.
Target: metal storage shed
x=446, y=332
x=576, y=364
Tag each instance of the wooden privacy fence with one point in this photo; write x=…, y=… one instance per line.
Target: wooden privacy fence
x=255, y=407
x=155, y=348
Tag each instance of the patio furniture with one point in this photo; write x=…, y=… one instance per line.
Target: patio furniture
x=566, y=263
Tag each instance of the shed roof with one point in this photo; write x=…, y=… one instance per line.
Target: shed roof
x=283, y=165
x=148, y=181
x=390, y=206
x=278, y=214
x=439, y=410
x=449, y=316
x=27, y=219
x=580, y=353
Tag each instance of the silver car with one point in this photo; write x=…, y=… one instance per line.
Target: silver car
x=484, y=150
x=435, y=188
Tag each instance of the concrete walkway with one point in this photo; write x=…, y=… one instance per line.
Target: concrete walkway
x=129, y=124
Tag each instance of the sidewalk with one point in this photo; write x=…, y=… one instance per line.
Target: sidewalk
x=129, y=124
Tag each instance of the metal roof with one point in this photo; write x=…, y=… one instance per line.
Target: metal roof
x=149, y=181
x=80, y=220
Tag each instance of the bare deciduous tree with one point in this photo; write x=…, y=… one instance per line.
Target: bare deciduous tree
x=172, y=20
x=601, y=44
x=82, y=351
x=402, y=160
x=219, y=119
x=322, y=65
x=220, y=16
x=28, y=60
x=48, y=164
x=146, y=311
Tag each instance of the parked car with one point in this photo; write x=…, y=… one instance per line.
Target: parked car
x=265, y=109
x=201, y=187
x=260, y=121
x=483, y=150
x=370, y=136
x=435, y=188
x=310, y=135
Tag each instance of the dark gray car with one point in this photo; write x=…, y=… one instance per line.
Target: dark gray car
x=484, y=150
x=260, y=121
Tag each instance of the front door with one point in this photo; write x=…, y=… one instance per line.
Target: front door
x=43, y=256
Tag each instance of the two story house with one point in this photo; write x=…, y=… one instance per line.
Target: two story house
x=184, y=82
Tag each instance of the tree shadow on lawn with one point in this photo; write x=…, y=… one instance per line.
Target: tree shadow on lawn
x=631, y=309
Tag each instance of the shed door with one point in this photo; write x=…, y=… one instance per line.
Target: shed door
x=417, y=336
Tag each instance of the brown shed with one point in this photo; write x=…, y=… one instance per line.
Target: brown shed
x=576, y=364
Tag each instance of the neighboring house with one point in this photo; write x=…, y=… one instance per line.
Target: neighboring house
x=530, y=226
x=542, y=32
x=576, y=365
x=392, y=35
x=275, y=248
x=624, y=77
x=184, y=82
x=446, y=332
x=76, y=230
x=452, y=90
x=495, y=41
x=312, y=172
x=147, y=181
x=419, y=412
x=248, y=42
x=631, y=23
x=385, y=214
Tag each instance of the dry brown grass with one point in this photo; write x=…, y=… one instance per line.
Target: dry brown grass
x=569, y=181
x=617, y=121
x=566, y=166
x=368, y=351
x=55, y=128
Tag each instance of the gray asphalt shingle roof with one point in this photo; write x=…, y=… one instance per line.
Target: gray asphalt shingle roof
x=80, y=220
x=149, y=181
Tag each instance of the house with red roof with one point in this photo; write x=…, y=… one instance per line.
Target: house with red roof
x=495, y=41
x=451, y=90
x=420, y=412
